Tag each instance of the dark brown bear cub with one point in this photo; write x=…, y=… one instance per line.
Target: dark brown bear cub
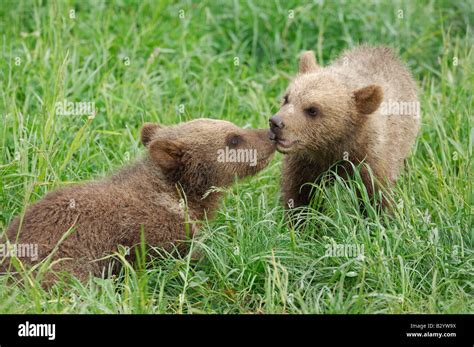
x=163, y=194
x=363, y=108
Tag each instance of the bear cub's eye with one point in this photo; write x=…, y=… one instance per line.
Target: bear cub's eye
x=233, y=141
x=285, y=99
x=312, y=111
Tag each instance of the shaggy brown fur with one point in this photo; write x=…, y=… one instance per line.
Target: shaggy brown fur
x=340, y=112
x=181, y=163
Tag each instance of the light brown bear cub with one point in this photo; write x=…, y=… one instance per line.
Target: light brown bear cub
x=182, y=163
x=361, y=108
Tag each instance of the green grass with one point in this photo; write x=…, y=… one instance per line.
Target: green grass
x=420, y=259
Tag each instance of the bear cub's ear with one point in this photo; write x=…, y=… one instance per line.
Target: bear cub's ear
x=167, y=153
x=147, y=132
x=368, y=99
x=308, y=62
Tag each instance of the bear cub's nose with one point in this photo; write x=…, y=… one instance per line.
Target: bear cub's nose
x=276, y=124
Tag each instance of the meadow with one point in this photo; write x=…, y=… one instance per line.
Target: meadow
x=172, y=61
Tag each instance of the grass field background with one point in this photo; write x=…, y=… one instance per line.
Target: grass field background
x=167, y=62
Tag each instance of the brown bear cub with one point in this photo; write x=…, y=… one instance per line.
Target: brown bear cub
x=363, y=108
x=163, y=194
